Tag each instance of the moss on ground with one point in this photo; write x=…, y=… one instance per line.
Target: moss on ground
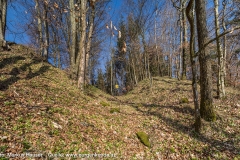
x=144, y=138
x=104, y=104
x=184, y=100
x=115, y=110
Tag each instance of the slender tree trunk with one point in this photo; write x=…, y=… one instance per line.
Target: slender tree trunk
x=73, y=37
x=206, y=104
x=3, y=13
x=190, y=17
x=181, y=44
x=156, y=46
x=177, y=67
x=1, y=26
x=169, y=57
x=146, y=65
x=111, y=67
x=220, y=82
x=184, y=48
x=59, y=57
x=134, y=70
x=82, y=49
x=170, y=64
x=224, y=42
x=40, y=32
x=174, y=61
x=183, y=36
x=89, y=41
x=46, y=32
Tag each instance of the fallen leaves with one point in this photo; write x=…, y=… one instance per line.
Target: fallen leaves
x=49, y=114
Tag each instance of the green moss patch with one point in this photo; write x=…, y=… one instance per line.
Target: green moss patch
x=3, y=149
x=144, y=138
x=184, y=100
x=104, y=104
x=26, y=145
x=115, y=110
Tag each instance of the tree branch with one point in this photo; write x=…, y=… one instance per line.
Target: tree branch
x=175, y=6
x=214, y=39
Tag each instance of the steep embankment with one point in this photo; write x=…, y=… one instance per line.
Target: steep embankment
x=42, y=111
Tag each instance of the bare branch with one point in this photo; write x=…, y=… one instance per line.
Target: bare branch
x=214, y=39
x=175, y=6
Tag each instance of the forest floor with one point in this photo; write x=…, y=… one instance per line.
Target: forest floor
x=44, y=116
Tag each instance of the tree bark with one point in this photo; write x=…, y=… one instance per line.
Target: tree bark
x=82, y=49
x=89, y=41
x=39, y=21
x=206, y=104
x=190, y=17
x=183, y=36
x=184, y=49
x=46, y=32
x=159, y=73
x=220, y=82
x=224, y=42
x=73, y=37
x=3, y=13
x=146, y=60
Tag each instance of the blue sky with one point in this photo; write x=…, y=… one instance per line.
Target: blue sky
x=16, y=19
x=17, y=29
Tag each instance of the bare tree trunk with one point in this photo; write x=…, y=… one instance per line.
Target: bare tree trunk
x=133, y=64
x=146, y=65
x=82, y=50
x=1, y=24
x=111, y=67
x=73, y=37
x=156, y=46
x=59, y=57
x=220, y=82
x=89, y=41
x=184, y=50
x=181, y=44
x=183, y=35
x=46, y=32
x=206, y=104
x=177, y=66
x=170, y=64
x=190, y=17
x=224, y=42
x=3, y=13
x=169, y=57
x=39, y=21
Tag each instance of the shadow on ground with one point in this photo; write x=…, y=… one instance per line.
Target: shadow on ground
x=16, y=71
x=177, y=125
x=215, y=145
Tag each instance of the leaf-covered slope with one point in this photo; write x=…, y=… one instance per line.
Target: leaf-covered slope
x=42, y=111
x=169, y=117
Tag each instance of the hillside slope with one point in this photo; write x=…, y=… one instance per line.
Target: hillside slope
x=43, y=112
